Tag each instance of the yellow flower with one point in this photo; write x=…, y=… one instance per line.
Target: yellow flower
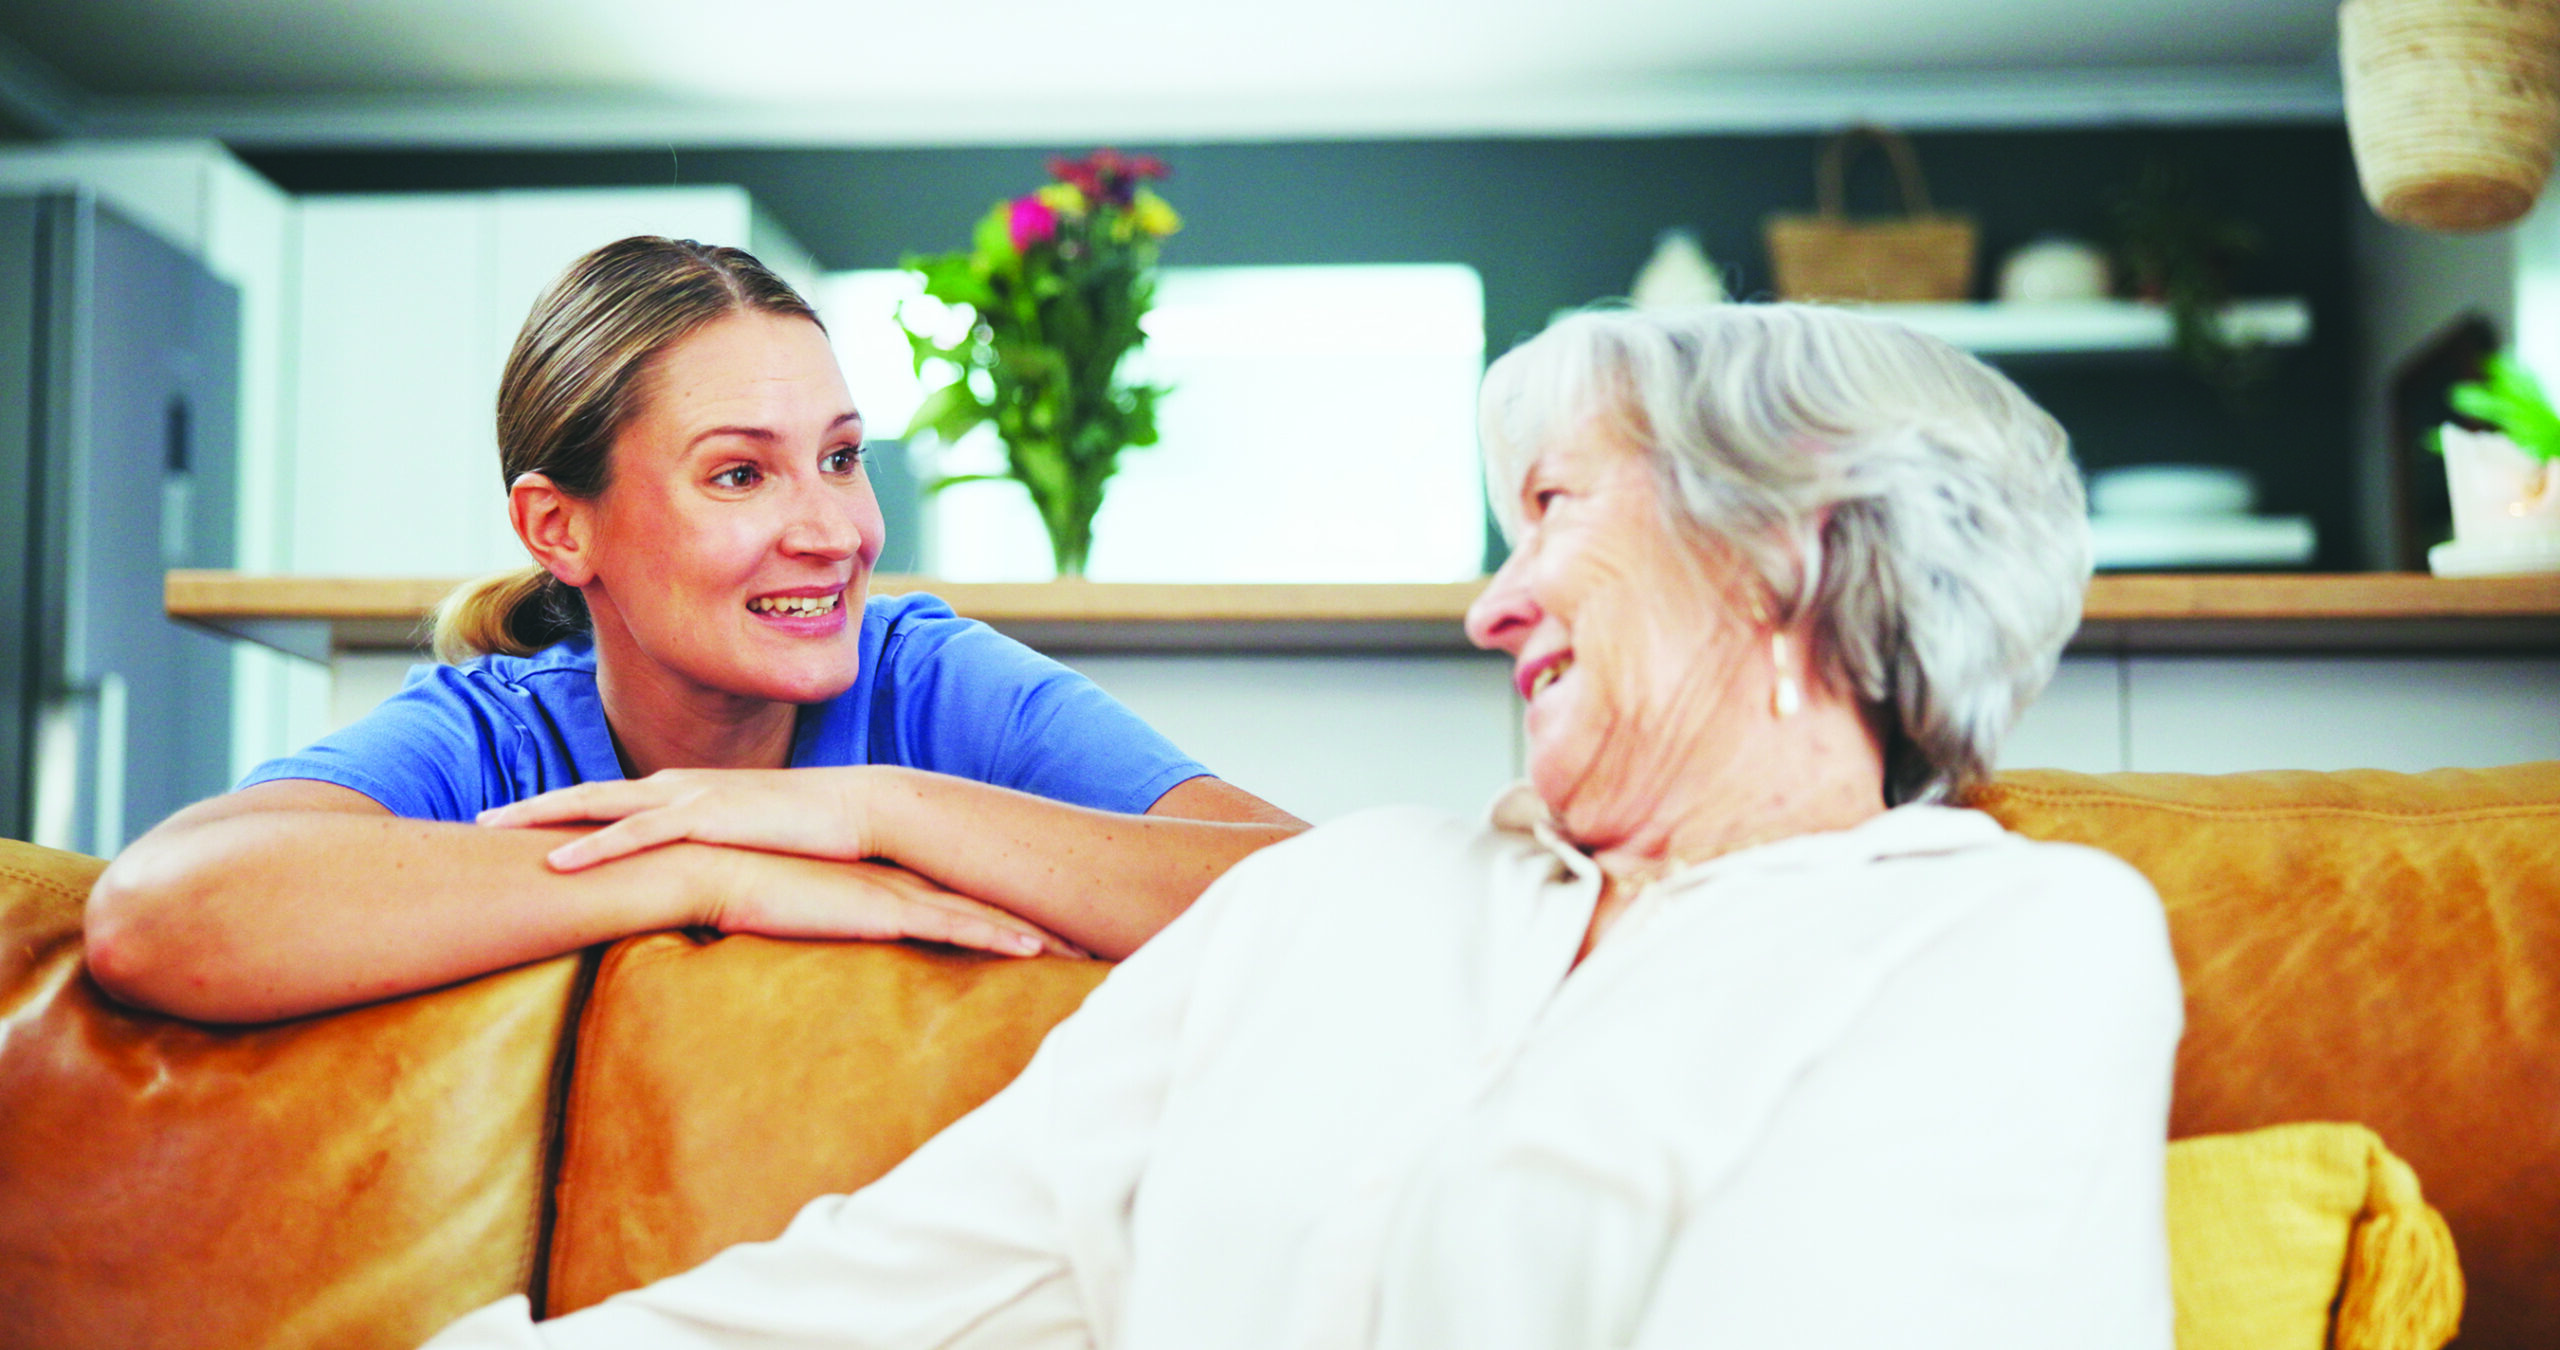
x=1063, y=198
x=1153, y=214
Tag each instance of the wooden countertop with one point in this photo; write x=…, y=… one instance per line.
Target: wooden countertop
x=2379, y=611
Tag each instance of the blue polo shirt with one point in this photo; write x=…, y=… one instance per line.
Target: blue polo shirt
x=936, y=692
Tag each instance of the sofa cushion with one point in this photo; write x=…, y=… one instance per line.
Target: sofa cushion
x=347, y=1181
x=2365, y=946
x=2273, y=1231
x=720, y=1085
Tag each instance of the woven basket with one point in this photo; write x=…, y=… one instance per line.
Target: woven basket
x=1922, y=255
x=2453, y=106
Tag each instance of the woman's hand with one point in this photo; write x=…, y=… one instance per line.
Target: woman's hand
x=816, y=813
x=780, y=895
x=792, y=856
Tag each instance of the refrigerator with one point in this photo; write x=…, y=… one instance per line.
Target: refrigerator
x=119, y=364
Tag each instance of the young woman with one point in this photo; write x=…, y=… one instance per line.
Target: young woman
x=694, y=660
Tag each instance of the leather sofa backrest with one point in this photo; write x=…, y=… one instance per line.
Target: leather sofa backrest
x=349, y=1181
x=2371, y=947
x=719, y=1086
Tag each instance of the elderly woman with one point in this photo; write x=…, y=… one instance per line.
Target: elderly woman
x=1725, y=1029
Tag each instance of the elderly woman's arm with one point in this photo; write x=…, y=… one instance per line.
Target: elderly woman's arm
x=1978, y=1163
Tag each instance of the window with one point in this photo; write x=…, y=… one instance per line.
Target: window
x=1321, y=428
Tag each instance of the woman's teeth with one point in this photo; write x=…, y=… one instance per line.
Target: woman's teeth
x=796, y=606
x=1549, y=675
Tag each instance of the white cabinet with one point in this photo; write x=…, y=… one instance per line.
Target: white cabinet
x=2076, y=723
x=1321, y=735
x=406, y=306
x=2167, y=712
x=2222, y=714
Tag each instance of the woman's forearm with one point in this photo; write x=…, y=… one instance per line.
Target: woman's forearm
x=1103, y=880
x=248, y=916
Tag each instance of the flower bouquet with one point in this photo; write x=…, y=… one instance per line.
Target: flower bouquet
x=1059, y=281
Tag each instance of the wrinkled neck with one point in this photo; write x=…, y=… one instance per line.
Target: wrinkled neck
x=1817, y=771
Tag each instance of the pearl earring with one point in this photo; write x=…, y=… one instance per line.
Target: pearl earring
x=1787, y=696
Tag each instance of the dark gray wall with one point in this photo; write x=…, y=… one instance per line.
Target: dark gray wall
x=22, y=363
x=1552, y=223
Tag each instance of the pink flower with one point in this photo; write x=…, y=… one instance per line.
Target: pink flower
x=1033, y=222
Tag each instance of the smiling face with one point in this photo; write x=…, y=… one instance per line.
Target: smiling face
x=731, y=549
x=1633, y=645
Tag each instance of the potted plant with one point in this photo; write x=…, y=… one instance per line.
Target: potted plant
x=2180, y=252
x=1060, y=281
x=2504, y=484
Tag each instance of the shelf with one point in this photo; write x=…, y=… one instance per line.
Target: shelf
x=2065, y=327
x=2378, y=611
x=2154, y=543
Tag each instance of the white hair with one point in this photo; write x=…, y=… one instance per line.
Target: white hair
x=1905, y=498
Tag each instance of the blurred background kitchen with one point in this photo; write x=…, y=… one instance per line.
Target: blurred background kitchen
x=2160, y=223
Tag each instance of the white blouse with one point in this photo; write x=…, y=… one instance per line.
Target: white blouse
x=1903, y=1085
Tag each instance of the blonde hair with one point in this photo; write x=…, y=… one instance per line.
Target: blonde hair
x=1909, y=500
x=575, y=379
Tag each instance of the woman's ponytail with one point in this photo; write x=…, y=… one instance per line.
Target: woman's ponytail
x=506, y=614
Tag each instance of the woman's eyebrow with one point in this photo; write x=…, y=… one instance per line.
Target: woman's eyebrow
x=767, y=434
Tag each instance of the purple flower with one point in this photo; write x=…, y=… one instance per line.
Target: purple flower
x=1107, y=177
x=1033, y=222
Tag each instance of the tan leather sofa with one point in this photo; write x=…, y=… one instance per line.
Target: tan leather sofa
x=2356, y=946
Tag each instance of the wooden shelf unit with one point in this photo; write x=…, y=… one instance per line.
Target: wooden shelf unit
x=2076, y=327
x=314, y=616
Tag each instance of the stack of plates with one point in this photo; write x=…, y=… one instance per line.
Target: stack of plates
x=2189, y=515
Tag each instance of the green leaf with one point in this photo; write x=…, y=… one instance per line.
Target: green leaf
x=948, y=413
x=952, y=480
x=2476, y=401
x=2510, y=399
x=956, y=279
x=993, y=239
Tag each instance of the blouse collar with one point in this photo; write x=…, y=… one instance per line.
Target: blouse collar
x=1903, y=831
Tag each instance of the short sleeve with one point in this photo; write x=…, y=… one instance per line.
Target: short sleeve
x=422, y=753
x=954, y=696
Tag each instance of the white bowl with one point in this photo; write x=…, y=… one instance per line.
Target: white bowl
x=2183, y=490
